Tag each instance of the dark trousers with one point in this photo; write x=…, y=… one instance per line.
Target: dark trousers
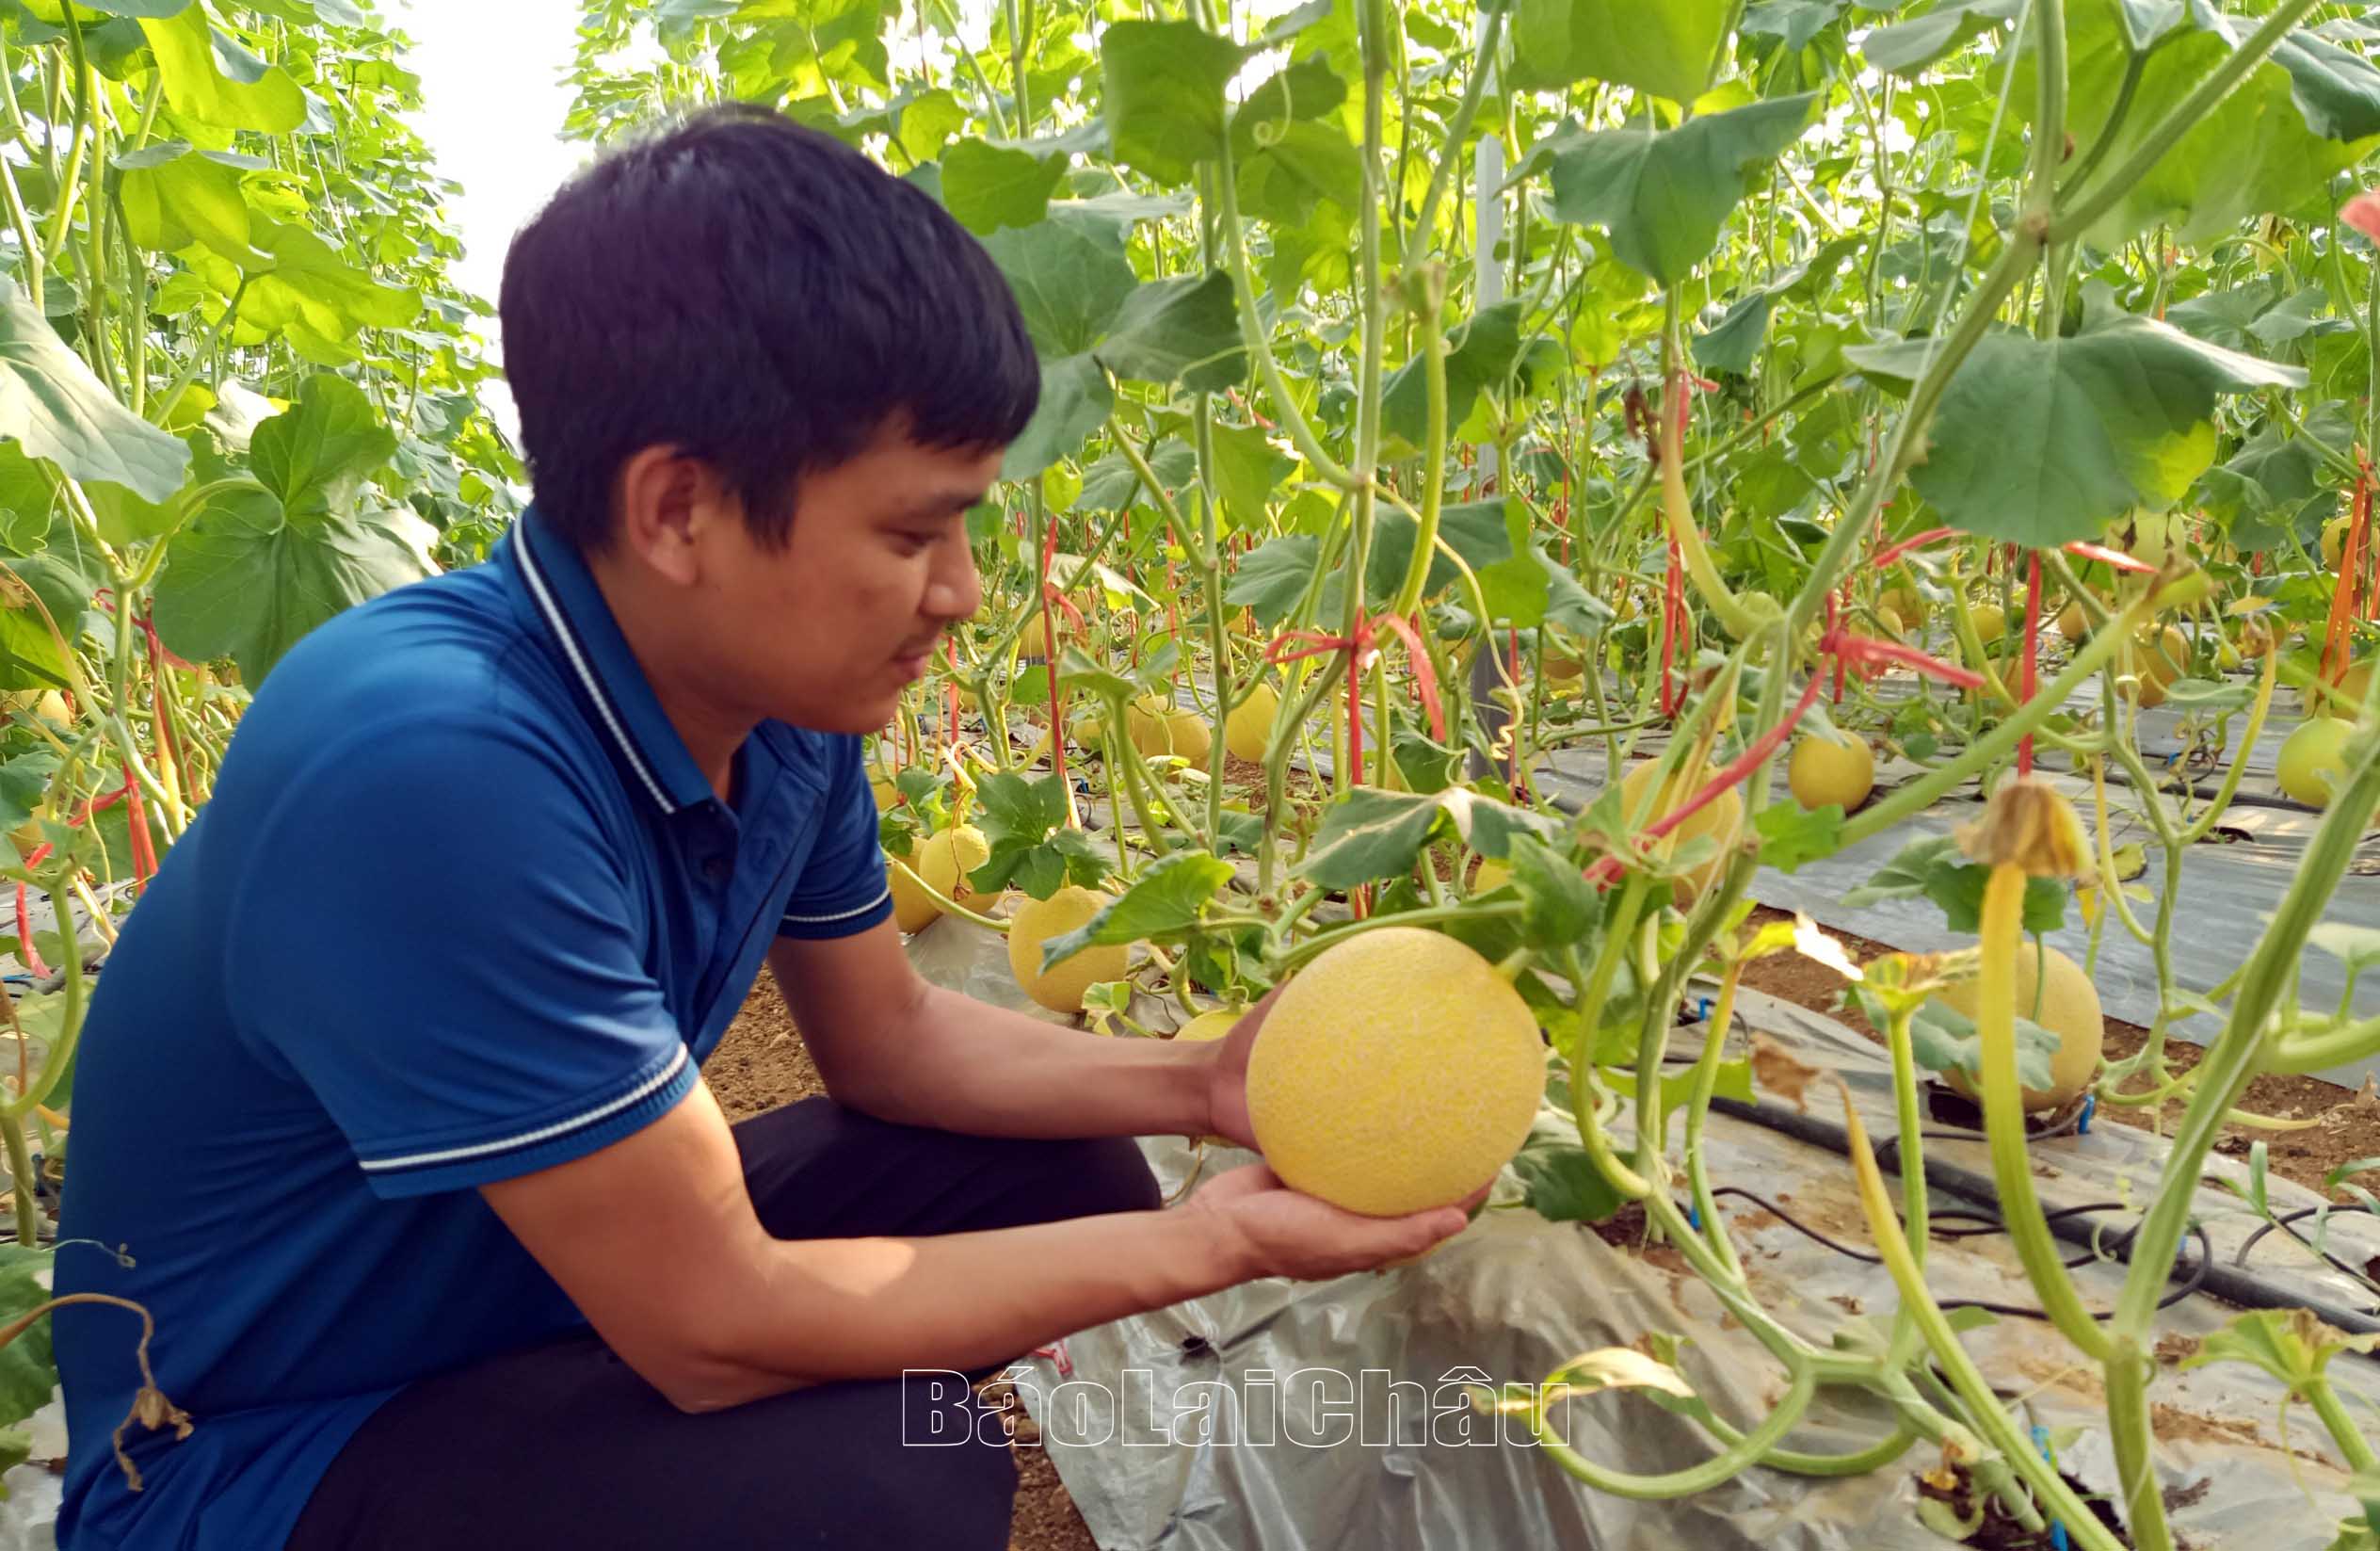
x=564, y=1446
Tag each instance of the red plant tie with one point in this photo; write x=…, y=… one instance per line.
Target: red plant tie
x=1361, y=648
x=1916, y=540
x=32, y=955
x=2115, y=557
x=1860, y=651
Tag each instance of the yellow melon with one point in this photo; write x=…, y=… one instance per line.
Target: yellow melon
x=2158, y=657
x=1189, y=737
x=946, y=859
x=1060, y=988
x=1719, y=820
x=1248, y=728
x=2067, y=1006
x=912, y=907
x=1825, y=770
x=2335, y=540
x=2313, y=759
x=1396, y=1073
x=1906, y=601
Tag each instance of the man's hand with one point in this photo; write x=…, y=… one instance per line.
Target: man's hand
x=1276, y=1231
x=1227, y=1079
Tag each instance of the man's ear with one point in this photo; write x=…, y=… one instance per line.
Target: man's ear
x=664, y=499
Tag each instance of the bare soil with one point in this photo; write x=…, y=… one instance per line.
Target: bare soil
x=2348, y=1119
x=760, y=1065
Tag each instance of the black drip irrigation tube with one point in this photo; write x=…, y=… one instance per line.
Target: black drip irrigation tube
x=2227, y=1283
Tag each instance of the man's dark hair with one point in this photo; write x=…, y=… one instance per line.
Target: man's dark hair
x=761, y=295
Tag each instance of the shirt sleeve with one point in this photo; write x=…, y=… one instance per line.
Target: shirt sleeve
x=842, y=888
x=436, y=932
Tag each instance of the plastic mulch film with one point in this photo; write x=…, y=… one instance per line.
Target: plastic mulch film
x=1278, y=1416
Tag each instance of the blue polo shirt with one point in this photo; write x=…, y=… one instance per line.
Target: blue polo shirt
x=463, y=906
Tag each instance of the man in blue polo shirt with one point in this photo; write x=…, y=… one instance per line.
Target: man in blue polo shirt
x=390, y=1108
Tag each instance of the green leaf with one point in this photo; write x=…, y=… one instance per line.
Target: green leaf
x=175, y=196
x=1248, y=469
x=1665, y=194
x=1170, y=896
x=1163, y=90
x=23, y=781
x=300, y=287
x=187, y=50
x=988, y=187
x=1666, y=49
x=1304, y=161
x=28, y=1374
x=2289, y=1344
x=1372, y=835
x=245, y=579
x=1273, y=576
x=1908, y=874
x=1560, y=907
x=1792, y=834
x=1733, y=342
x=1112, y=483
x=1564, y=1184
x=2116, y=416
x=1076, y=397
x=1070, y=276
x=52, y=403
x=316, y=454
x=1958, y=888
x=1734, y=1081
x=1308, y=88
x=1185, y=326
x=1479, y=531
x=2357, y=948
x=2272, y=146
x=1796, y=22
x=1944, y=1040
x=1905, y=48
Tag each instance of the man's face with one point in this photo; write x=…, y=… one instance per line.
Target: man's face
x=826, y=631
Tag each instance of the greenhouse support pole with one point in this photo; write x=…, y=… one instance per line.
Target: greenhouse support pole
x=1488, y=166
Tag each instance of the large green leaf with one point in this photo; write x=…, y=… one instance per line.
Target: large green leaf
x=1075, y=401
x=1186, y=326
x=28, y=1374
x=1163, y=87
x=1667, y=49
x=52, y=403
x=315, y=453
x=1369, y=835
x=1274, y=575
x=1169, y=898
x=245, y=579
x=175, y=196
x=1794, y=21
x=988, y=187
x=2043, y=441
x=1070, y=276
x=1665, y=194
x=2272, y=146
x=1248, y=469
x=298, y=286
x=247, y=95
x=1907, y=47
